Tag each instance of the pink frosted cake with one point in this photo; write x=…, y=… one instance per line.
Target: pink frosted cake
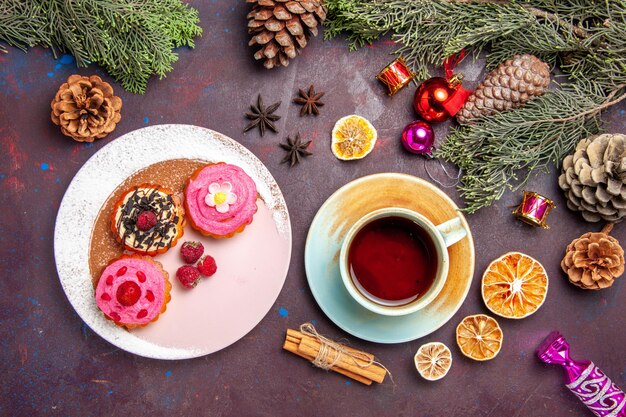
x=133, y=291
x=220, y=200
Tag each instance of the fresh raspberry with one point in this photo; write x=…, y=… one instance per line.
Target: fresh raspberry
x=128, y=293
x=146, y=220
x=207, y=266
x=191, y=251
x=188, y=276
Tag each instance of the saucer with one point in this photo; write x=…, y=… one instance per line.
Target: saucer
x=323, y=244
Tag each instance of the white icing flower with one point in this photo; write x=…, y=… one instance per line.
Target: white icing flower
x=220, y=197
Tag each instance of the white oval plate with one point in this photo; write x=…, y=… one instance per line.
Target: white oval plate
x=252, y=265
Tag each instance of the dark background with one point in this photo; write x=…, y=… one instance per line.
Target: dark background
x=53, y=364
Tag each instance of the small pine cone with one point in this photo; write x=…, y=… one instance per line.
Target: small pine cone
x=594, y=260
x=86, y=108
x=507, y=87
x=594, y=178
x=283, y=27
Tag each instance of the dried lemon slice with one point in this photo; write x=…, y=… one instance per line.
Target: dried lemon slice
x=514, y=285
x=433, y=360
x=353, y=137
x=479, y=337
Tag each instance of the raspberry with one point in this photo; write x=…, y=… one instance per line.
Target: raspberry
x=191, y=251
x=128, y=293
x=207, y=266
x=146, y=220
x=188, y=276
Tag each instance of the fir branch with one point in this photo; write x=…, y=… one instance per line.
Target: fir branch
x=131, y=39
x=586, y=38
x=501, y=148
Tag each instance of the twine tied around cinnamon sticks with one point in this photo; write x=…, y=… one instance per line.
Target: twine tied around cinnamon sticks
x=329, y=355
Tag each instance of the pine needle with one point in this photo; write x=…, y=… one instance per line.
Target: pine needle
x=585, y=38
x=131, y=39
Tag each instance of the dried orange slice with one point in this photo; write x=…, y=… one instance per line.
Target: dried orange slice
x=353, y=137
x=433, y=360
x=514, y=285
x=479, y=337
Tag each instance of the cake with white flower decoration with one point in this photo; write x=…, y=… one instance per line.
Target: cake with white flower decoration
x=220, y=200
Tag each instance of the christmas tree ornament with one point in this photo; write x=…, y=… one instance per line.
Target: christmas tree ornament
x=594, y=260
x=438, y=99
x=429, y=99
x=534, y=209
x=510, y=86
x=584, y=378
x=594, y=178
x=85, y=108
x=282, y=28
x=262, y=116
x=395, y=76
x=418, y=137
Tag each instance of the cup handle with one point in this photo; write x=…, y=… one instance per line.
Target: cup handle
x=452, y=231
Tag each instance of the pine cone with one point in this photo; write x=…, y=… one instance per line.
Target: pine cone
x=283, y=27
x=594, y=260
x=86, y=108
x=594, y=178
x=507, y=87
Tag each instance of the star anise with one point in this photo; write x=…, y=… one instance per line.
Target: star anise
x=310, y=101
x=262, y=116
x=296, y=150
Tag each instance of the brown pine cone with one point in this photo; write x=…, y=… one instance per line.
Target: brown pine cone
x=510, y=86
x=283, y=27
x=86, y=108
x=594, y=178
x=594, y=260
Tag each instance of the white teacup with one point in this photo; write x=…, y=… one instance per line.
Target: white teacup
x=442, y=236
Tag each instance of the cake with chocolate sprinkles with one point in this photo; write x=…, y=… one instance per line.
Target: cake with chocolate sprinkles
x=148, y=219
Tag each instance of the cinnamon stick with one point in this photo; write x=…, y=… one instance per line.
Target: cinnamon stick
x=297, y=336
x=311, y=347
x=292, y=346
